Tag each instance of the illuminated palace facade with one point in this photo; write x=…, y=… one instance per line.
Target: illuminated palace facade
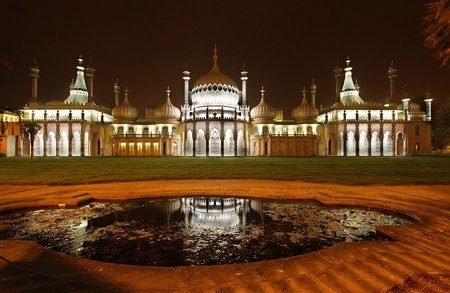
x=216, y=120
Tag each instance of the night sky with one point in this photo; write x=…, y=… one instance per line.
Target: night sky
x=283, y=43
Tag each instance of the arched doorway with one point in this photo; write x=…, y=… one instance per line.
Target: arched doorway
x=375, y=144
x=200, y=147
x=351, y=144
x=387, y=144
x=363, y=144
x=189, y=144
x=228, y=143
x=240, y=143
x=214, y=143
x=51, y=144
x=400, y=145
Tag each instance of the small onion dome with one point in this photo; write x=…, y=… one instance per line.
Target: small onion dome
x=125, y=112
x=167, y=112
x=414, y=107
x=305, y=112
x=263, y=112
x=215, y=76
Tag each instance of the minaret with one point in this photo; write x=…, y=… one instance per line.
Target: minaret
x=34, y=74
x=186, y=79
x=244, y=79
x=313, y=93
x=125, y=93
x=338, y=78
x=405, y=98
x=116, y=93
x=90, y=74
x=392, y=74
x=428, y=100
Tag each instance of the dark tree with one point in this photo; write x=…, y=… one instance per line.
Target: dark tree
x=441, y=125
x=436, y=30
x=30, y=129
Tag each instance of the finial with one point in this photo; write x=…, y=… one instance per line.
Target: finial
x=348, y=61
x=168, y=92
x=304, y=92
x=215, y=57
x=243, y=66
x=312, y=82
x=392, y=63
x=186, y=67
x=34, y=63
x=126, y=91
x=263, y=91
x=80, y=60
x=117, y=81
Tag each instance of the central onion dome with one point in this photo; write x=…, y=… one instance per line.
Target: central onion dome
x=167, y=112
x=215, y=88
x=305, y=112
x=263, y=113
x=125, y=112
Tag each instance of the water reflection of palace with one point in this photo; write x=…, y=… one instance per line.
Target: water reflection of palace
x=207, y=212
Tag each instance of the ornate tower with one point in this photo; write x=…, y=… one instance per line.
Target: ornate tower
x=186, y=79
x=34, y=74
x=116, y=93
x=244, y=79
x=313, y=93
x=90, y=74
x=428, y=100
x=338, y=78
x=392, y=74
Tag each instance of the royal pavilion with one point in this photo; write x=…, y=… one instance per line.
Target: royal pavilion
x=216, y=120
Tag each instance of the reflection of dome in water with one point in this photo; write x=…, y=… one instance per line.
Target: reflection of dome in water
x=216, y=212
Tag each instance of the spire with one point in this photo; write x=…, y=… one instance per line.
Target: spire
x=34, y=74
x=405, y=93
x=263, y=91
x=392, y=74
x=349, y=94
x=116, y=93
x=215, y=57
x=168, y=93
x=186, y=71
x=313, y=92
x=428, y=92
x=79, y=93
x=338, y=78
x=125, y=93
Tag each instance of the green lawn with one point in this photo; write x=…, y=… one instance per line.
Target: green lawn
x=404, y=170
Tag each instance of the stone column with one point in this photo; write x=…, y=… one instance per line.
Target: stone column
x=393, y=136
x=207, y=134
x=70, y=138
x=381, y=133
x=45, y=135
x=369, y=139
x=235, y=138
x=222, y=140
x=194, y=138
x=58, y=137
x=82, y=138
x=357, y=138
x=345, y=134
